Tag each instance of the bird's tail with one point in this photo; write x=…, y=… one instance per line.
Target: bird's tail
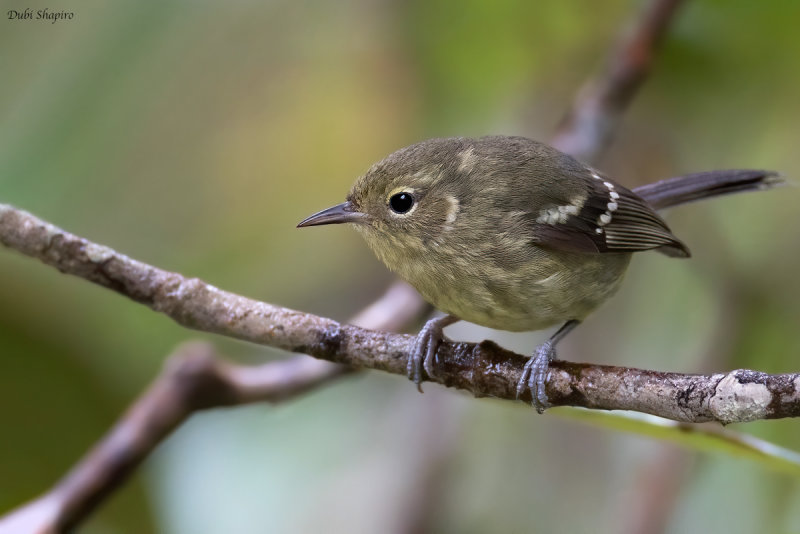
x=701, y=185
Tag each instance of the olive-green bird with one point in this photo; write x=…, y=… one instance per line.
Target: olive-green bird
x=510, y=233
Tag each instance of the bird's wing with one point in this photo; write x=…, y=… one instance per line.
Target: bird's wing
x=605, y=217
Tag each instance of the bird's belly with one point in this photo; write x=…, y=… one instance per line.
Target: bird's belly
x=532, y=296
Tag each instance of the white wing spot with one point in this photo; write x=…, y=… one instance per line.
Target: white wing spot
x=570, y=209
x=560, y=214
x=578, y=202
x=551, y=216
x=611, y=206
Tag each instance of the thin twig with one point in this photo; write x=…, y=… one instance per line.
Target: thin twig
x=588, y=127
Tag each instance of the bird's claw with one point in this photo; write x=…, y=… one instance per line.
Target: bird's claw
x=423, y=354
x=534, y=376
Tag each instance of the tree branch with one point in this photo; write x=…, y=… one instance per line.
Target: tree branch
x=485, y=369
x=587, y=128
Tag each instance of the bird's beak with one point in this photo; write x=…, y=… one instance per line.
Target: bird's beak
x=338, y=214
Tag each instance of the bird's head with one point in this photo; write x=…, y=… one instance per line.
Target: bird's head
x=406, y=203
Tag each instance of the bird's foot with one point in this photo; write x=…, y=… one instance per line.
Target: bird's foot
x=534, y=375
x=424, y=352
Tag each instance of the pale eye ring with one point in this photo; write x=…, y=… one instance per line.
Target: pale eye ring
x=401, y=202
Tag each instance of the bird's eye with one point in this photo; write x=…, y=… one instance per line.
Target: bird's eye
x=401, y=202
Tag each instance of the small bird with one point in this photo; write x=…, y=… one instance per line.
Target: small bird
x=512, y=234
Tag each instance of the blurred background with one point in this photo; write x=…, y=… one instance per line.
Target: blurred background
x=195, y=135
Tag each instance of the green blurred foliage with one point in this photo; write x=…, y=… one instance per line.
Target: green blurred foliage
x=194, y=135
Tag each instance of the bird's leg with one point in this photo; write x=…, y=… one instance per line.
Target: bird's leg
x=534, y=374
x=425, y=347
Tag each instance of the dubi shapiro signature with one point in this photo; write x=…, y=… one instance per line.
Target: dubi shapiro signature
x=40, y=14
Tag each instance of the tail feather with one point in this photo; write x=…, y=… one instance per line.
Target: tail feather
x=701, y=185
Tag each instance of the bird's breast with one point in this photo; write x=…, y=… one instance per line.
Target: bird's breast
x=512, y=292
x=497, y=280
